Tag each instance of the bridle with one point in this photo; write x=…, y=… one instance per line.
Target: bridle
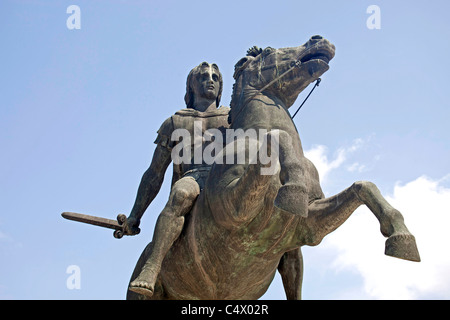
x=296, y=63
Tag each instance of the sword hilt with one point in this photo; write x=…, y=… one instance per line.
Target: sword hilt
x=119, y=225
x=118, y=234
x=122, y=220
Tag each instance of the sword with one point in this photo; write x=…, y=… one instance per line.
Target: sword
x=118, y=225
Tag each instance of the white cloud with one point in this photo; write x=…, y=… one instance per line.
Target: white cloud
x=356, y=166
x=4, y=237
x=425, y=205
x=318, y=155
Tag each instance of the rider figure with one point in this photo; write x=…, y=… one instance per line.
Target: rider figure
x=203, y=93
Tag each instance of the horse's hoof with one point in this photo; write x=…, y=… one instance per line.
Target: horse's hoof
x=141, y=290
x=292, y=198
x=402, y=246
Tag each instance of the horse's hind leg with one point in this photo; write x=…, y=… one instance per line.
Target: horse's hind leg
x=400, y=243
x=326, y=215
x=291, y=271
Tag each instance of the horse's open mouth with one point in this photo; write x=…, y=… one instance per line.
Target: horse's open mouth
x=325, y=56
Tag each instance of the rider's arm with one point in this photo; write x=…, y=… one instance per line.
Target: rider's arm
x=151, y=182
x=153, y=178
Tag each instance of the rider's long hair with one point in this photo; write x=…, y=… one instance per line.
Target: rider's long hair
x=189, y=97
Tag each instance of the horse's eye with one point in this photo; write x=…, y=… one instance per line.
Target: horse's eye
x=268, y=50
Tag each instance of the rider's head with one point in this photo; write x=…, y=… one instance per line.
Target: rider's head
x=205, y=80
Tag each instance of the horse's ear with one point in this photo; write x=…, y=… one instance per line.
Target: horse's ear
x=241, y=65
x=254, y=51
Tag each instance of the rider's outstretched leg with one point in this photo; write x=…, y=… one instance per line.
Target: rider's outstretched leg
x=168, y=228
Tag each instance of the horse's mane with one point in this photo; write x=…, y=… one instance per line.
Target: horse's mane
x=237, y=85
x=254, y=51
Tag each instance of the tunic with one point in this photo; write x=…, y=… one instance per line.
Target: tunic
x=188, y=119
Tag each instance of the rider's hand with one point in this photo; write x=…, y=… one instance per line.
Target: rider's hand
x=131, y=226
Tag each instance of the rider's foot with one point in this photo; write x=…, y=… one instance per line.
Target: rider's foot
x=142, y=287
x=145, y=283
x=292, y=198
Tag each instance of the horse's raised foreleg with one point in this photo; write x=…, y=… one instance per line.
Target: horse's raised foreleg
x=292, y=195
x=326, y=215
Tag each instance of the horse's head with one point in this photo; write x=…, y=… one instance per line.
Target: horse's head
x=289, y=69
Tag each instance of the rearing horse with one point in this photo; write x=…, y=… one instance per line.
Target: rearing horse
x=244, y=222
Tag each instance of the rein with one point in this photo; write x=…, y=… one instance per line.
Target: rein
x=315, y=85
x=294, y=63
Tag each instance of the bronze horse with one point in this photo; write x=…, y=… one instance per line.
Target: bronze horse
x=244, y=222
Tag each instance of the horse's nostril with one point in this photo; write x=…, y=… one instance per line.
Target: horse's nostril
x=316, y=37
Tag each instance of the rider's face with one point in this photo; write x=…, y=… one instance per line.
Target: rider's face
x=207, y=84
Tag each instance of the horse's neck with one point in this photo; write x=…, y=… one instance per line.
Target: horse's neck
x=243, y=94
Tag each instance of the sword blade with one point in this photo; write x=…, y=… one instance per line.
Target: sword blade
x=96, y=221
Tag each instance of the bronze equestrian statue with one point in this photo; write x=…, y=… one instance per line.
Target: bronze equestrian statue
x=244, y=225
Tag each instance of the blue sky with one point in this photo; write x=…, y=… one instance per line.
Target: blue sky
x=80, y=110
